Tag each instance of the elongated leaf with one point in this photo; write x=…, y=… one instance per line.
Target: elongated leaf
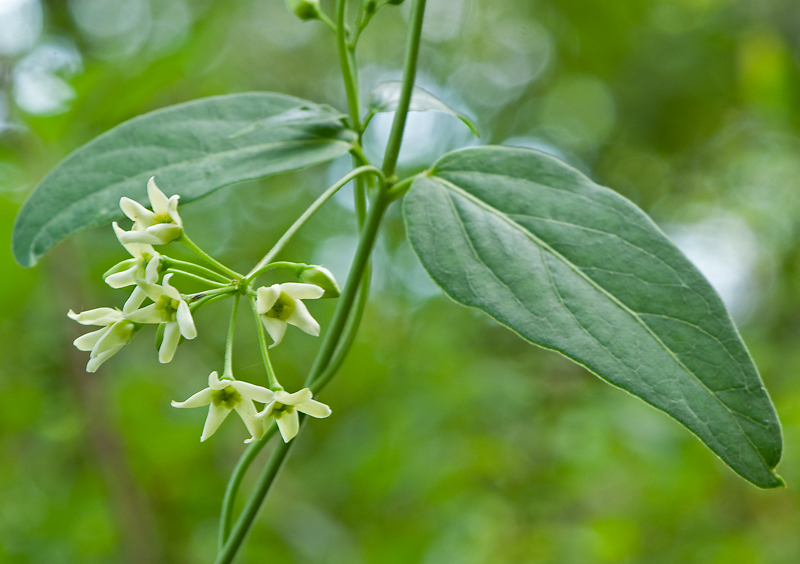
x=192, y=149
x=574, y=267
x=386, y=96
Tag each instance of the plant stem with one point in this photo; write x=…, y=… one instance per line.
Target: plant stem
x=409, y=74
x=227, y=371
x=360, y=260
x=347, y=71
x=208, y=258
x=324, y=197
x=262, y=342
x=236, y=481
x=196, y=277
x=169, y=261
x=253, y=504
x=208, y=299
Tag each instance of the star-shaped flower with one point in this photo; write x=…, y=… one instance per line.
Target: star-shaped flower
x=156, y=227
x=104, y=343
x=283, y=407
x=169, y=308
x=225, y=395
x=280, y=304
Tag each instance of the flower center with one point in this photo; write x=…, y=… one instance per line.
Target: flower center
x=162, y=218
x=282, y=309
x=167, y=305
x=228, y=397
x=279, y=410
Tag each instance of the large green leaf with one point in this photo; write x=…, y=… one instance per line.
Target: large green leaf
x=575, y=267
x=386, y=97
x=192, y=149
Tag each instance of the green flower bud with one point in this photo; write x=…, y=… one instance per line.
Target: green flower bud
x=304, y=9
x=369, y=6
x=322, y=277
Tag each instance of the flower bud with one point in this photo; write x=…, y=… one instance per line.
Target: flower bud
x=369, y=6
x=304, y=9
x=322, y=277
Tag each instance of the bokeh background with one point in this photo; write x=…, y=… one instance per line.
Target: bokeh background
x=452, y=440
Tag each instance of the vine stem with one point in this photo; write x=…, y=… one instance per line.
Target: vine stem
x=345, y=61
x=409, y=74
x=312, y=209
x=357, y=269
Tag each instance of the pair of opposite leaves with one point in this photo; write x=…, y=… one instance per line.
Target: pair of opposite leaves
x=565, y=263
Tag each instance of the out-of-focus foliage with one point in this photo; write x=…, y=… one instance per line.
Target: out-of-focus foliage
x=451, y=440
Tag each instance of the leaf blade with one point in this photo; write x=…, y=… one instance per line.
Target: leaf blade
x=192, y=148
x=505, y=230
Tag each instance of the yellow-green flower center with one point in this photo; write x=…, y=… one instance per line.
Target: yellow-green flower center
x=282, y=309
x=167, y=305
x=228, y=397
x=279, y=410
x=162, y=218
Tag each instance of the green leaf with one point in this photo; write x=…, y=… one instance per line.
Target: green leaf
x=386, y=96
x=576, y=268
x=192, y=149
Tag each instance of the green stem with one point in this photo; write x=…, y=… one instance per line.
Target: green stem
x=409, y=74
x=208, y=300
x=262, y=342
x=360, y=260
x=227, y=372
x=169, y=261
x=347, y=340
x=345, y=62
x=324, y=197
x=208, y=258
x=253, y=504
x=196, y=277
x=235, y=482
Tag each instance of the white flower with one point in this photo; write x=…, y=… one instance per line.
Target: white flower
x=104, y=343
x=169, y=308
x=280, y=304
x=222, y=396
x=284, y=407
x=143, y=267
x=156, y=227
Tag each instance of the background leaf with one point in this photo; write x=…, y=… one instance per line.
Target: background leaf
x=192, y=149
x=385, y=97
x=575, y=267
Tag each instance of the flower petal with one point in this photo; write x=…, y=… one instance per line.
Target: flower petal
x=158, y=201
x=266, y=297
x=247, y=412
x=140, y=237
x=172, y=209
x=123, y=278
x=136, y=212
x=201, y=398
x=314, y=409
x=172, y=336
x=302, y=319
x=288, y=425
x=276, y=328
x=95, y=361
x=253, y=392
x=148, y=314
x=215, y=383
x=216, y=415
x=134, y=301
x=300, y=291
x=135, y=249
x=98, y=316
x=151, y=270
x=168, y=289
x=89, y=340
x=293, y=399
x=163, y=233
x=185, y=321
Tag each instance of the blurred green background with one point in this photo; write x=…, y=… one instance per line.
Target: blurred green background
x=452, y=441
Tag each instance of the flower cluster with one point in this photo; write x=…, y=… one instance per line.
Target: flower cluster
x=150, y=274
x=143, y=271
